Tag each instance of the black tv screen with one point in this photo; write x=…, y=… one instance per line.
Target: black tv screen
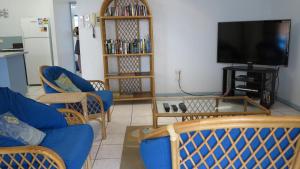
x=257, y=42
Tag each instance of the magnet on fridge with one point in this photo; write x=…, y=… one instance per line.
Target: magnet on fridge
x=45, y=21
x=40, y=21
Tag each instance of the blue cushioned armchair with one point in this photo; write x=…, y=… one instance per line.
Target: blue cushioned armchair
x=99, y=99
x=229, y=142
x=67, y=143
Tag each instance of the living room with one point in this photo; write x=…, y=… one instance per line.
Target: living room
x=184, y=65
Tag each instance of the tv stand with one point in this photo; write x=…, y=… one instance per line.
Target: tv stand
x=255, y=82
x=250, y=65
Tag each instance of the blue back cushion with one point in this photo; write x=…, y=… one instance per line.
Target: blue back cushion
x=235, y=146
x=51, y=73
x=156, y=153
x=29, y=111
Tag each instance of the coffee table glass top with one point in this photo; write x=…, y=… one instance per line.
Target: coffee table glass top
x=209, y=105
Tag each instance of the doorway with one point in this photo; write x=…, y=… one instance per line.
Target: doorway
x=76, y=42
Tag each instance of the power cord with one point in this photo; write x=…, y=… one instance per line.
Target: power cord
x=183, y=91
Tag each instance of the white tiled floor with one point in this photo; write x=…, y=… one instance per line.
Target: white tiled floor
x=107, y=153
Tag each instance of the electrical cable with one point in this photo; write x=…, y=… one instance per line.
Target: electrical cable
x=179, y=85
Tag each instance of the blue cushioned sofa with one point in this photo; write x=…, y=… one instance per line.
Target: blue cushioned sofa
x=64, y=147
x=99, y=99
x=229, y=142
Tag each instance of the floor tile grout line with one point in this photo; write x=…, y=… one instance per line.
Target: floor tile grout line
x=131, y=114
x=96, y=154
x=109, y=159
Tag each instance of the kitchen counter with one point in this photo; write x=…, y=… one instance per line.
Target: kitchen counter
x=11, y=54
x=13, y=71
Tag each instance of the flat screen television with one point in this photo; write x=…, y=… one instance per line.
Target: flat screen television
x=254, y=42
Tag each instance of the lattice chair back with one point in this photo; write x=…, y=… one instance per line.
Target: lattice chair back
x=237, y=142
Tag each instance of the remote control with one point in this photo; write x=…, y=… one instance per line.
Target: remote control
x=182, y=107
x=166, y=107
x=174, y=108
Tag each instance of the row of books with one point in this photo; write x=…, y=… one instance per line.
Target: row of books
x=124, y=47
x=129, y=10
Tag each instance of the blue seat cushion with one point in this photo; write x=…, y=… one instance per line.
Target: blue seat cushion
x=156, y=153
x=72, y=144
x=107, y=98
x=9, y=142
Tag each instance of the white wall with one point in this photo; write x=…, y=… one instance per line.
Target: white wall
x=41, y=8
x=185, y=35
x=90, y=48
x=289, y=88
x=20, y=8
x=63, y=34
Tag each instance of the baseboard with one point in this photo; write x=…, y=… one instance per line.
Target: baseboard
x=289, y=103
x=194, y=93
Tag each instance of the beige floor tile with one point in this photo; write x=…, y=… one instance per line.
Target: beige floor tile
x=97, y=141
x=113, y=139
x=122, y=120
x=107, y=164
x=109, y=151
x=141, y=120
x=94, y=151
x=116, y=128
x=122, y=108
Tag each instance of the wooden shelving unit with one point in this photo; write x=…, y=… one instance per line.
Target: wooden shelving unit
x=124, y=72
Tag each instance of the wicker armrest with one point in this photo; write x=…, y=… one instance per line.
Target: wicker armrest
x=94, y=103
x=33, y=157
x=98, y=84
x=73, y=117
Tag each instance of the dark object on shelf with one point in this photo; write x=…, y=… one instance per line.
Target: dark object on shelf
x=182, y=107
x=18, y=45
x=166, y=107
x=174, y=108
x=258, y=82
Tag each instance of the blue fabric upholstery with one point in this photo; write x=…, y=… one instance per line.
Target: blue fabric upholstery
x=9, y=142
x=107, y=98
x=72, y=144
x=156, y=152
x=51, y=73
x=29, y=111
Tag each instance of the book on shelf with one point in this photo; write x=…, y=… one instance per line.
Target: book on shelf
x=127, y=10
x=125, y=47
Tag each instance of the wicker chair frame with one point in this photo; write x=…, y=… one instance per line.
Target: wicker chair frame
x=40, y=157
x=98, y=86
x=228, y=123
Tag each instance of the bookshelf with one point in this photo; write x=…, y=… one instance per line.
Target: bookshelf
x=128, y=49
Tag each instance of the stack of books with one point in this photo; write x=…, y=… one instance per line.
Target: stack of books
x=129, y=10
x=124, y=47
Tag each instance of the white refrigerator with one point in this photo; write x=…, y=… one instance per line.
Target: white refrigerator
x=37, y=42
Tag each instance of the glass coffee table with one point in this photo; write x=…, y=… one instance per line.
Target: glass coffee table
x=205, y=107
